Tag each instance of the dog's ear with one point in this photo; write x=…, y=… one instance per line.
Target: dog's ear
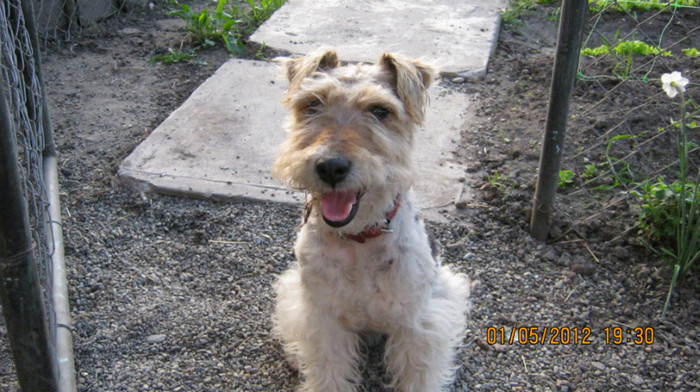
x=299, y=68
x=410, y=80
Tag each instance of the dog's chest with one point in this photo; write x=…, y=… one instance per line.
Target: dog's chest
x=363, y=285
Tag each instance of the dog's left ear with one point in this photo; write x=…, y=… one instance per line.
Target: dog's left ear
x=410, y=80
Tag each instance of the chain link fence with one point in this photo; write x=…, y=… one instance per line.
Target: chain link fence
x=59, y=21
x=628, y=138
x=33, y=287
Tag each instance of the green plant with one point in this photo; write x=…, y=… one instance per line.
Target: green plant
x=566, y=178
x=177, y=56
x=207, y=28
x=517, y=8
x=624, y=52
x=503, y=188
x=673, y=211
x=597, y=51
x=591, y=171
x=620, y=169
x=226, y=24
x=262, y=12
x=639, y=48
x=626, y=48
x=659, y=215
x=691, y=52
x=638, y=5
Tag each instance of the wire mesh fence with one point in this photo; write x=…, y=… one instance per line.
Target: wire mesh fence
x=30, y=232
x=629, y=136
x=59, y=21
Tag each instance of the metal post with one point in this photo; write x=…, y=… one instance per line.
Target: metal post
x=565, y=67
x=44, y=122
x=20, y=294
x=59, y=295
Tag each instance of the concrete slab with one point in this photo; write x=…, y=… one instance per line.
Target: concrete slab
x=456, y=35
x=221, y=142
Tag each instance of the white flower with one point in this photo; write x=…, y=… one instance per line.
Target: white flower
x=673, y=83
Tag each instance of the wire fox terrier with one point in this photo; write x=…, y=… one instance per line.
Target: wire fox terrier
x=364, y=261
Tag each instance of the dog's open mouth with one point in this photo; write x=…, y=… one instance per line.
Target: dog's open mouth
x=339, y=207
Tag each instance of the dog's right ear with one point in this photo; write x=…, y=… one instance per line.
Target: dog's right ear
x=299, y=68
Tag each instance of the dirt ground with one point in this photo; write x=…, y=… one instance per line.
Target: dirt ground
x=172, y=294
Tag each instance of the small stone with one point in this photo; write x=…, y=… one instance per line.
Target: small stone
x=482, y=344
x=551, y=255
x=501, y=348
x=598, y=365
x=458, y=80
x=583, y=268
x=636, y=380
x=620, y=252
x=555, y=232
x=130, y=31
x=157, y=338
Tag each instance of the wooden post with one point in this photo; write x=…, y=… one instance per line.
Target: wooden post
x=565, y=68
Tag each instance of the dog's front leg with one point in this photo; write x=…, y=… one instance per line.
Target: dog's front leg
x=420, y=352
x=329, y=356
x=325, y=352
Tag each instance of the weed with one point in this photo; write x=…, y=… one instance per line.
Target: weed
x=691, y=52
x=262, y=12
x=638, y=5
x=626, y=48
x=503, y=188
x=517, y=8
x=659, y=214
x=566, y=178
x=178, y=56
x=591, y=171
x=672, y=212
x=206, y=28
x=226, y=25
x=623, y=175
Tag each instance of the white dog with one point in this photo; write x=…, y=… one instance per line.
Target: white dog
x=364, y=260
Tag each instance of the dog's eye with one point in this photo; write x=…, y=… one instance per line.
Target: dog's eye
x=313, y=107
x=380, y=112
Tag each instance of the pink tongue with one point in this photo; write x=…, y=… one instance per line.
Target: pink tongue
x=336, y=206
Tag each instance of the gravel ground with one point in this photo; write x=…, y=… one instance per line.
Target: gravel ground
x=173, y=294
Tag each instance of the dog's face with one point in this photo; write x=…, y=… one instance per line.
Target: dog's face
x=350, y=134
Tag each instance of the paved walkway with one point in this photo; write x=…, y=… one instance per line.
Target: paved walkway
x=222, y=141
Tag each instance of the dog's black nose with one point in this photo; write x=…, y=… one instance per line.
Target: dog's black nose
x=333, y=170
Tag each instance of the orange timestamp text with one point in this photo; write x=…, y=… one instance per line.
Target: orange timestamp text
x=568, y=335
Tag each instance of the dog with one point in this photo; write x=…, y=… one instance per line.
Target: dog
x=364, y=260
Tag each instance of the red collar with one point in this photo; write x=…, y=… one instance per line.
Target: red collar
x=377, y=229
